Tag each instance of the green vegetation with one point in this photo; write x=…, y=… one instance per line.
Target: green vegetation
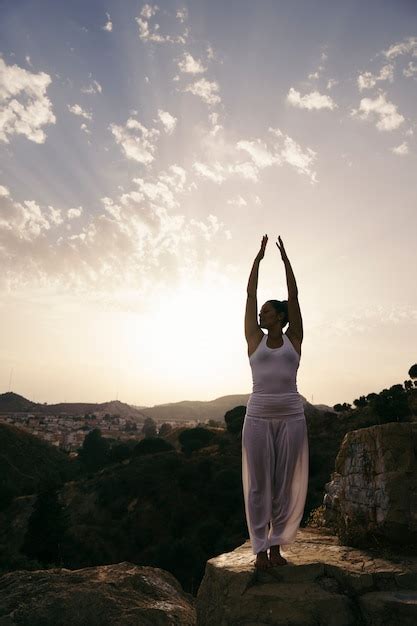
x=28, y=464
x=170, y=502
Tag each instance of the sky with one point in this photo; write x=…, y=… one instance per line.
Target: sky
x=145, y=149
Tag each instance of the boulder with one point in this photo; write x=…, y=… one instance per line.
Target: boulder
x=373, y=491
x=323, y=582
x=107, y=595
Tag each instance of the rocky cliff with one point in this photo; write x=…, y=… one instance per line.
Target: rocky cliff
x=372, y=495
x=323, y=584
x=109, y=595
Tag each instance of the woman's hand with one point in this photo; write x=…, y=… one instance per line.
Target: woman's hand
x=261, y=252
x=281, y=249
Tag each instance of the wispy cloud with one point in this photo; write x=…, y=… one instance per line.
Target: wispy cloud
x=150, y=32
x=137, y=141
x=29, y=116
x=407, y=46
x=108, y=25
x=189, y=65
x=411, y=70
x=168, y=121
x=313, y=100
x=367, y=80
x=379, y=108
x=76, y=109
x=206, y=90
x=94, y=87
x=401, y=150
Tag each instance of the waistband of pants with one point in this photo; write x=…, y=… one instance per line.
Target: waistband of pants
x=275, y=405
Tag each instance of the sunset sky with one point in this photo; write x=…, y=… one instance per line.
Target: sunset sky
x=145, y=149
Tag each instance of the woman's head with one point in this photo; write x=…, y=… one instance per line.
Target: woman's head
x=274, y=311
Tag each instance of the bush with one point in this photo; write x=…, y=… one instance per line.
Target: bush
x=152, y=445
x=193, y=439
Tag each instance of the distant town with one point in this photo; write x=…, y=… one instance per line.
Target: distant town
x=67, y=432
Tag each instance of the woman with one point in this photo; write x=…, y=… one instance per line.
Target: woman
x=274, y=435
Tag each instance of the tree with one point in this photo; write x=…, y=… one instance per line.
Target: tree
x=193, y=439
x=234, y=419
x=412, y=372
x=151, y=445
x=165, y=429
x=391, y=404
x=45, y=538
x=94, y=451
x=149, y=427
x=342, y=407
x=360, y=402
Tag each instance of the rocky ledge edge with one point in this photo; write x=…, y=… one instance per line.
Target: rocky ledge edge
x=323, y=582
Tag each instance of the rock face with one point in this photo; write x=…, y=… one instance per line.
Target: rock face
x=373, y=491
x=109, y=595
x=323, y=583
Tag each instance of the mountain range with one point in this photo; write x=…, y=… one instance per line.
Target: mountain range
x=11, y=402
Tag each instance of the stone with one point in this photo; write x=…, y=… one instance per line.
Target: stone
x=107, y=595
x=324, y=582
x=373, y=490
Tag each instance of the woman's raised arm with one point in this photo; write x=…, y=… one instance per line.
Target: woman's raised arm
x=295, y=327
x=251, y=314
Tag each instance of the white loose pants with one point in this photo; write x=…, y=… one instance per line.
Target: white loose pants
x=275, y=458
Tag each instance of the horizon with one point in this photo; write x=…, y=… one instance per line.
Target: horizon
x=144, y=152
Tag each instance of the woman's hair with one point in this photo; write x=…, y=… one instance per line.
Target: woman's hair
x=281, y=306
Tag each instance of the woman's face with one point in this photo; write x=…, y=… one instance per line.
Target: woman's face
x=268, y=315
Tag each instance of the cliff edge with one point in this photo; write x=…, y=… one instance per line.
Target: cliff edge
x=324, y=583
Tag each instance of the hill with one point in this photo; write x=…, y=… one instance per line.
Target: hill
x=203, y=410
x=13, y=403
x=28, y=464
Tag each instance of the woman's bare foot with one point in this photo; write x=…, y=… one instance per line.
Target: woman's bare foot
x=262, y=561
x=275, y=558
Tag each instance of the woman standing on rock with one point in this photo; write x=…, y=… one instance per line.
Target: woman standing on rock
x=274, y=435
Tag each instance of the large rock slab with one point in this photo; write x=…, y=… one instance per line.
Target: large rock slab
x=373, y=491
x=324, y=583
x=107, y=595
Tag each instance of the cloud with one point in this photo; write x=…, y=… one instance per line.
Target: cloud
x=215, y=172
x=85, y=128
x=168, y=121
x=148, y=33
x=367, y=80
x=313, y=100
x=411, y=70
x=137, y=141
x=109, y=25
x=331, y=82
x=237, y=201
x=76, y=109
x=189, y=65
x=401, y=150
x=95, y=87
x=24, y=220
x=163, y=191
x=4, y=191
x=133, y=242
x=409, y=45
x=72, y=213
x=24, y=119
x=206, y=90
x=182, y=14
x=386, y=112
x=279, y=150
x=260, y=154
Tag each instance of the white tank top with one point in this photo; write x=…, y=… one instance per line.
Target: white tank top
x=274, y=374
